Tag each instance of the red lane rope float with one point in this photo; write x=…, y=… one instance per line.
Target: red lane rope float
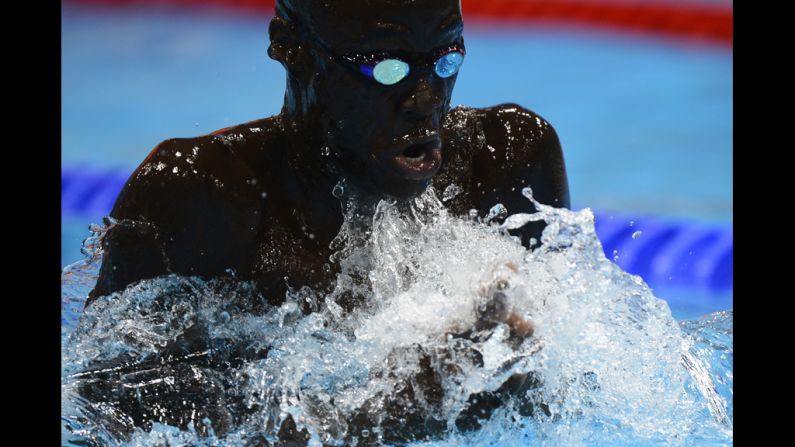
x=701, y=21
x=681, y=19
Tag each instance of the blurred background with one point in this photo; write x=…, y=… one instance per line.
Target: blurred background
x=640, y=92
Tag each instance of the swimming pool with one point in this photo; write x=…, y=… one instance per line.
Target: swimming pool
x=628, y=111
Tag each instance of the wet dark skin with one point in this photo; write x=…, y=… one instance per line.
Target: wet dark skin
x=256, y=199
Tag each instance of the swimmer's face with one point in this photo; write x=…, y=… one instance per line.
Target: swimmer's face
x=385, y=138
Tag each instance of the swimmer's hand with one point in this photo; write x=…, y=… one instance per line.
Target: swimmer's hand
x=411, y=409
x=494, y=309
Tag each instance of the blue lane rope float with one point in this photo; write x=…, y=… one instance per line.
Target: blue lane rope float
x=661, y=251
x=88, y=192
x=669, y=252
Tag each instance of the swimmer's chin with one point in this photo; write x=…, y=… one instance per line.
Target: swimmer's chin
x=406, y=187
x=410, y=192
x=401, y=190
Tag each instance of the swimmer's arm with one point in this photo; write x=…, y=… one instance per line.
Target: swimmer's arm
x=132, y=250
x=519, y=149
x=188, y=209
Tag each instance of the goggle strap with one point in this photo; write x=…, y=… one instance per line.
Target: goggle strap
x=367, y=70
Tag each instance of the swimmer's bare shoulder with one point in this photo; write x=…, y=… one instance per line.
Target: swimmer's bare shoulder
x=194, y=206
x=495, y=153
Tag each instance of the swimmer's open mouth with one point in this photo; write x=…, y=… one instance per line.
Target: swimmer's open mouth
x=421, y=160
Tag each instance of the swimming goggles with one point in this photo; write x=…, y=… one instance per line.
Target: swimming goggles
x=391, y=68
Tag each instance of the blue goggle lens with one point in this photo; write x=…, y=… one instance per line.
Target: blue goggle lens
x=390, y=71
x=449, y=64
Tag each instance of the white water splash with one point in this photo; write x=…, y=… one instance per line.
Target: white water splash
x=612, y=365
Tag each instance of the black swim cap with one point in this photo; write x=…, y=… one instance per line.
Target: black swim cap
x=327, y=18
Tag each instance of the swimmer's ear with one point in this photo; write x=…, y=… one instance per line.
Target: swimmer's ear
x=285, y=47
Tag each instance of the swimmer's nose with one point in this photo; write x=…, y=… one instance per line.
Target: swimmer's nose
x=421, y=102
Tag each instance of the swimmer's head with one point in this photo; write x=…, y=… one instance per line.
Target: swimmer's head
x=383, y=127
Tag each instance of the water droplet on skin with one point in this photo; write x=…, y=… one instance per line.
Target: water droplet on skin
x=636, y=235
x=450, y=192
x=338, y=191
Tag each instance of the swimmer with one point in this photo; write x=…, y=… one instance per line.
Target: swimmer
x=368, y=101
